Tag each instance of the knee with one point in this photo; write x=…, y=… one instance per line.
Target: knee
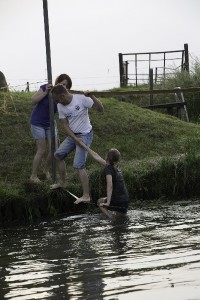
x=57, y=157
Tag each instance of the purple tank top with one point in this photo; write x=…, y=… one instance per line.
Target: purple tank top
x=40, y=114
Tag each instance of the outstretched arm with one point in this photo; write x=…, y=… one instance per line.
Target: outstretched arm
x=97, y=103
x=93, y=154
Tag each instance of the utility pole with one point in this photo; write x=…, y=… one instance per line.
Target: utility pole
x=49, y=77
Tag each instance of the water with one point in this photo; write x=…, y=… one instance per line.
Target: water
x=153, y=254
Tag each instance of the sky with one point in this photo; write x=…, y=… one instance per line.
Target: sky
x=87, y=35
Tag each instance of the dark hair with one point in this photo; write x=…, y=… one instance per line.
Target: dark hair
x=113, y=156
x=62, y=77
x=59, y=89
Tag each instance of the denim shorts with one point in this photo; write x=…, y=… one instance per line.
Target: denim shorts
x=69, y=145
x=40, y=133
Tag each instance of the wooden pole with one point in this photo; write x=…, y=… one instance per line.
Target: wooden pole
x=49, y=76
x=151, y=86
x=136, y=82
x=140, y=92
x=126, y=73
x=121, y=70
x=186, y=57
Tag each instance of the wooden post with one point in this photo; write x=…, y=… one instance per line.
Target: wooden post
x=151, y=86
x=49, y=76
x=182, y=60
x=183, y=110
x=126, y=73
x=149, y=61
x=164, y=66
x=136, y=82
x=156, y=75
x=186, y=57
x=121, y=70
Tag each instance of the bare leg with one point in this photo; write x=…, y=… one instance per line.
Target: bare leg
x=85, y=186
x=49, y=160
x=62, y=172
x=48, y=166
x=41, y=148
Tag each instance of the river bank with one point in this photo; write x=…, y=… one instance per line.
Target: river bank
x=160, y=159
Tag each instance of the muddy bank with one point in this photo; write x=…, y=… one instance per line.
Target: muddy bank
x=36, y=202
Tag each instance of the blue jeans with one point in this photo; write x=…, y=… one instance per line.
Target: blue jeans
x=40, y=133
x=69, y=145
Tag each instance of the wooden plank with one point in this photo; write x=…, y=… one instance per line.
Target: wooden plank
x=166, y=105
x=140, y=92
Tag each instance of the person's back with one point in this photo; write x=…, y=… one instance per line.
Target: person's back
x=119, y=199
x=116, y=200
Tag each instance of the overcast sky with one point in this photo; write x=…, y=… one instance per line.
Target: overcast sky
x=87, y=35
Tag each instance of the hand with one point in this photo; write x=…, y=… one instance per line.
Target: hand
x=87, y=93
x=104, y=204
x=49, y=86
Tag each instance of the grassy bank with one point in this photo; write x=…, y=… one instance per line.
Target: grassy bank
x=160, y=156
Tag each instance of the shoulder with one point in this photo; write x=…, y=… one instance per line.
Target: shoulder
x=86, y=101
x=43, y=87
x=108, y=170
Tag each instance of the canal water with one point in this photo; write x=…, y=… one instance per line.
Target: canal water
x=152, y=254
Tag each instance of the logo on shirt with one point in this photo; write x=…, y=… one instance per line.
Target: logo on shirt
x=77, y=107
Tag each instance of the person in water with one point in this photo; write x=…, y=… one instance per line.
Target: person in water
x=116, y=201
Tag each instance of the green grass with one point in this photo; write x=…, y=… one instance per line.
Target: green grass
x=139, y=134
x=160, y=157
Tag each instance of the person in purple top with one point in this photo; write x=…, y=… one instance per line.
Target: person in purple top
x=40, y=126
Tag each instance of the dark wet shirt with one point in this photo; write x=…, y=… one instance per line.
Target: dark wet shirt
x=119, y=194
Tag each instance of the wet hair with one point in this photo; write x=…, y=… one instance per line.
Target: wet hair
x=113, y=156
x=62, y=77
x=58, y=89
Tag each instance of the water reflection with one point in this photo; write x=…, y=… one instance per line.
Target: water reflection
x=152, y=254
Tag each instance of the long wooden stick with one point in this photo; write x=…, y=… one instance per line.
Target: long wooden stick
x=73, y=195
x=141, y=92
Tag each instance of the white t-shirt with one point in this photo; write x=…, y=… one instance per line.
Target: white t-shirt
x=77, y=113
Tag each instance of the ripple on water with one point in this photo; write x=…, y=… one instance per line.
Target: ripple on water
x=153, y=254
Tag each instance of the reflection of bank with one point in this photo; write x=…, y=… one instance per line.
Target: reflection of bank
x=4, y=286
x=57, y=260
x=115, y=256
x=62, y=259
x=119, y=235
x=85, y=276
x=26, y=273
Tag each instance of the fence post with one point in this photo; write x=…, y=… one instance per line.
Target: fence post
x=179, y=97
x=151, y=86
x=186, y=67
x=121, y=70
x=156, y=75
x=126, y=73
x=136, y=82
x=51, y=102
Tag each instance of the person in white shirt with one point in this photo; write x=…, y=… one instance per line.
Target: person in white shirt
x=73, y=112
